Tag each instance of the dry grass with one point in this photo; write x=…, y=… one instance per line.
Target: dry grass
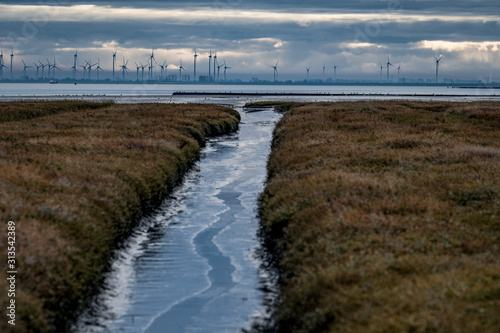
x=17, y=111
x=385, y=217
x=75, y=183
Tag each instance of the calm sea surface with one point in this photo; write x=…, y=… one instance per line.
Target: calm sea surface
x=148, y=92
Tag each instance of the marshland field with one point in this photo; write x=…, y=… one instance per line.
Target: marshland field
x=75, y=178
x=378, y=216
x=385, y=217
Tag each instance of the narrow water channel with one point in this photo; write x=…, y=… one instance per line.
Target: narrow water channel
x=192, y=267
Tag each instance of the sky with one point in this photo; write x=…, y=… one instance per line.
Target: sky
x=357, y=36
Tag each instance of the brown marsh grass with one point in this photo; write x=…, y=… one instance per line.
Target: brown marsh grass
x=385, y=217
x=17, y=110
x=76, y=182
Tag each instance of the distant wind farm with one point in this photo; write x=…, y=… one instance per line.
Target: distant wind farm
x=161, y=70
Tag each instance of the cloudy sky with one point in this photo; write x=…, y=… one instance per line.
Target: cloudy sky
x=356, y=35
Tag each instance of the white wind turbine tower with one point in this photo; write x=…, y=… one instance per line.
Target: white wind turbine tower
x=142, y=68
x=151, y=58
x=180, y=71
x=307, y=69
x=150, y=69
x=98, y=68
x=334, y=69
x=195, y=56
x=11, y=62
x=437, y=67
x=215, y=62
x=138, y=67
x=225, y=69
x=275, y=73
x=114, y=59
x=75, y=64
x=25, y=67
x=388, y=66
x=399, y=70
x=210, y=66
x=324, y=67
x=124, y=68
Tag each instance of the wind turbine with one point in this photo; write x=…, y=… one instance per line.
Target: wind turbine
x=307, y=69
x=437, y=67
x=210, y=65
x=388, y=66
x=226, y=68
x=98, y=68
x=25, y=67
x=11, y=62
x=75, y=64
x=124, y=68
x=50, y=68
x=89, y=67
x=162, y=68
x=84, y=70
x=143, y=67
x=334, y=69
x=114, y=59
x=275, y=73
x=195, y=56
x=218, y=70
x=138, y=67
x=399, y=70
x=1, y=65
x=381, y=70
x=37, y=69
x=43, y=69
x=215, y=62
x=151, y=58
x=180, y=71
x=54, y=67
x=324, y=67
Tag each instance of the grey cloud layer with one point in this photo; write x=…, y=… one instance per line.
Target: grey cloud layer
x=381, y=27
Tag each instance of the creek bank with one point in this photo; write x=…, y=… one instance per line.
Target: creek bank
x=382, y=216
x=77, y=183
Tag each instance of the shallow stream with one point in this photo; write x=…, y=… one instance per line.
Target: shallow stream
x=192, y=266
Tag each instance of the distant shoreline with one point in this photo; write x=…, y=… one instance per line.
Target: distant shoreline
x=202, y=93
